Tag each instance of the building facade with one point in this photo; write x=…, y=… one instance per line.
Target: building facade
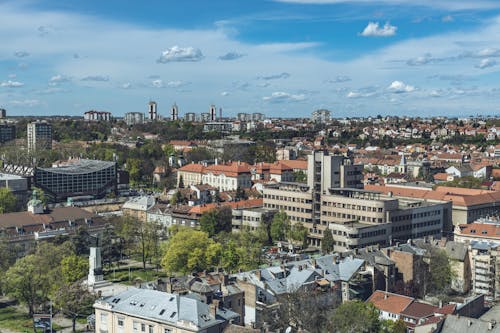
x=39, y=135
x=133, y=118
x=7, y=132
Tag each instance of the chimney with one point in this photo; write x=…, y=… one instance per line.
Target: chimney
x=440, y=304
x=491, y=324
x=213, y=307
x=314, y=263
x=259, y=275
x=469, y=322
x=385, y=296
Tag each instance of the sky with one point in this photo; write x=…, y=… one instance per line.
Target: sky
x=284, y=58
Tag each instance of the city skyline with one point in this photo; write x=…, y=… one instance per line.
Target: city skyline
x=284, y=58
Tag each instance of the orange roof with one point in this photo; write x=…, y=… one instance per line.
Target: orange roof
x=441, y=176
x=458, y=196
x=193, y=167
x=232, y=170
x=389, y=302
x=295, y=164
x=495, y=173
x=481, y=230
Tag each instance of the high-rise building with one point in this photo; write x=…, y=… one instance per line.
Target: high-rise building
x=132, y=118
x=7, y=132
x=174, y=112
x=190, y=116
x=3, y=113
x=213, y=113
x=39, y=135
x=152, y=111
x=321, y=116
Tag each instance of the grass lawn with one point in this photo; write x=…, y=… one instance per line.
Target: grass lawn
x=122, y=275
x=13, y=319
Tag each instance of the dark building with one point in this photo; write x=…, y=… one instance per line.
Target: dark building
x=7, y=132
x=77, y=178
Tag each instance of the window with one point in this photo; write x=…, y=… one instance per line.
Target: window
x=151, y=329
x=104, y=322
x=167, y=330
x=135, y=325
x=143, y=327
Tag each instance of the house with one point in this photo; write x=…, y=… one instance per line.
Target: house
x=137, y=207
x=390, y=305
x=458, y=255
x=465, y=170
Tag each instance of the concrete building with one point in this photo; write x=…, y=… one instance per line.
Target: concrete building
x=152, y=111
x=251, y=218
x=143, y=310
x=7, y=132
x=190, y=116
x=3, y=113
x=213, y=113
x=138, y=207
x=17, y=185
x=133, y=118
x=39, y=135
x=97, y=116
x=482, y=230
x=321, y=116
x=485, y=264
x=174, y=112
x=217, y=126
x=79, y=177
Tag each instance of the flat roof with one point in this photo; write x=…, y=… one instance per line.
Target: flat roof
x=80, y=166
x=8, y=176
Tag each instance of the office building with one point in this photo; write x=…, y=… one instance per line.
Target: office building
x=7, y=132
x=152, y=111
x=39, y=135
x=3, y=113
x=133, y=118
x=174, y=112
x=321, y=116
x=77, y=178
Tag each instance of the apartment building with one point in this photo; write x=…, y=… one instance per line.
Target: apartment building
x=485, y=266
x=225, y=177
x=143, y=310
x=251, y=218
x=7, y=132
x=39, y=135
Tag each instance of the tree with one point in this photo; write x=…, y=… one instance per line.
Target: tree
x=82, y=241
x=299, y=233
x=327, y=242
x=300, y=176
x=186, y=251
x=440, y=270
x=75, y=301
x=7, y=259
x=74, y=268
x=355, y=317
x=389, y=326
x=216, y=220
x=181, y=182
x=241, y=194
x=7, y=201
x=28, y=281
x=279, y=227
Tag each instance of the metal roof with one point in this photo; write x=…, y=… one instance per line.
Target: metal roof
x=81, y=166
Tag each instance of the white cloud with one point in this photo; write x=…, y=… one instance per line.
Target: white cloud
x=11, y=84
x=485, y=63
x=231, y=56
x=224, y=93
x=400, y=87
x=12, y=76
x=126, y=85
x=176, y=84
x=447, y=18
x=374, y=30
x=96, y=78
x=157, y=83
x=21, y=54
x=57, y=79
x=339, y=79
x=283, y=75
x=176, y=53
x=25, y=103
x=443, y=4
x=282, y=97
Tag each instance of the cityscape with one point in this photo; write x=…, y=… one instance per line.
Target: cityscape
x=279, y=166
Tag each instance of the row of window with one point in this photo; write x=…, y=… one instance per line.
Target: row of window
x=352, y=206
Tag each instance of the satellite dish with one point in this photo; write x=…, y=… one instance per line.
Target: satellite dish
x=288, y=330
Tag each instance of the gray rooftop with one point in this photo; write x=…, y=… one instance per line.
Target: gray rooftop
x=160, y=307
x=456, y=324
x=456, y=250
x=81, y=166
x=8, y=176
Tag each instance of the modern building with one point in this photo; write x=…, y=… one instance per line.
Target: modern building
x=79, y=177
x=3, y=113
x=321, y=116
x=174, y=112
x=133, y=118
x=97, y=116
x=152, y=111
x=485, y=265
x=217, y=126
x=144, y=310
x=251, y=218
x=7, y=132
x=17, y=185
x=39, y=135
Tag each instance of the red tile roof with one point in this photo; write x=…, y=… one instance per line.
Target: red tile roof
x=193, y=167
x=389, y=302
x=419, y=310
x=480, y=230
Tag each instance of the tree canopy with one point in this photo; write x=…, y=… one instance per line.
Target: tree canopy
x=7, y=201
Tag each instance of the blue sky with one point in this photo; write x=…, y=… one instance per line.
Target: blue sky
x=280, y=57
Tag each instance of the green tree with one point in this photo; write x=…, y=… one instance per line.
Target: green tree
x=7, y=201
x=299, y=233
x=186, y=251
x=181, y=182
x=280, y=226
x=300, y=176
x=7, y=259
x=355, y=317
x=74, y=268
x=82, y=241
x=216, y=220
x=440, y=270
x=28, y=281
x=177, y=198
x=75, y=301
x=327, y=242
